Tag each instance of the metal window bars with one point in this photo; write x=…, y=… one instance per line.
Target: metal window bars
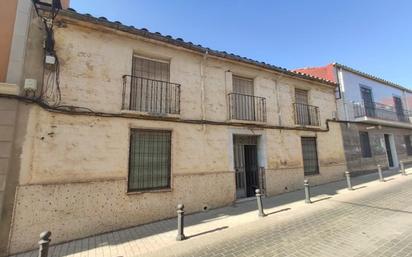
x=247, y=107
x=151, y=96
x=380, y=111
x=150, y=160
x=310, y=156
x=306, y=115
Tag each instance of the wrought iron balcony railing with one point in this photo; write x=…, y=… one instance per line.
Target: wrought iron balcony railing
x=380, y=111
x=247, y=107
x=306, y=115
x=149, y=95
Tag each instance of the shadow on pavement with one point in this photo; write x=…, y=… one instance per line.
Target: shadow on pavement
x=375, y=207
x=207, y=232
x=321, y=199
x=274, y=212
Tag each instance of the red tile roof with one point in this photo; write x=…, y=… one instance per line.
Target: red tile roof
x=326, y=72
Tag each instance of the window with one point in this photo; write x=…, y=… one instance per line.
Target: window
x=310, y=156
x=149, y=165
x=408, y=144
x=365, y=144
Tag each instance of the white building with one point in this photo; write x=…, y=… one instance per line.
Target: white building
x=376, y=112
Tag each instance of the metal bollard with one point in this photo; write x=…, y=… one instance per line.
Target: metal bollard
x=307, y=191
x=180, y=222
x=347, y=173
x=402, y=168
x=259, y=203
x=44, y=243
x=381, y=179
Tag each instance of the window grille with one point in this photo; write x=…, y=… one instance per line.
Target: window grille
x=150, y=155
x=365, y=144
x=310, y=156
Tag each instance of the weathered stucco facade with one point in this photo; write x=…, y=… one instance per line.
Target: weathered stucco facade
x=73, y=176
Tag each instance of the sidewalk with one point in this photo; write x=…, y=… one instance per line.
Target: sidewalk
x=145, y=239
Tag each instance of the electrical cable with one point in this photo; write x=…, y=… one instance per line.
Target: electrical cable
x=85, y=111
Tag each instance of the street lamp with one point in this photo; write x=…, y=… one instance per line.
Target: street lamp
x=47, y=9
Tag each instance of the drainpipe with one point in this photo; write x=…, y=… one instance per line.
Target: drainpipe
x=342, y=92
x=278, y=103
x=202, y=84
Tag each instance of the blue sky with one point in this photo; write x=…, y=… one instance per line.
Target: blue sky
x=374, y=36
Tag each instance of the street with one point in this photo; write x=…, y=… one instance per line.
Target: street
x=376, y=222
x=375, y=219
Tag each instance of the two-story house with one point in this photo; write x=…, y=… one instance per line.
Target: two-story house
x=121, y=124
x=378, y=128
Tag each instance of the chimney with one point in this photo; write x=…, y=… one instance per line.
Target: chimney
x=65, y=4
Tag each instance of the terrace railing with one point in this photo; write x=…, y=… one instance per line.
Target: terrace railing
x=247, y=107
x=306, y=115
x=380, y=111
x=151, y=96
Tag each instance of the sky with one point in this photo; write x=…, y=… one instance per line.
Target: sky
x=374, y=36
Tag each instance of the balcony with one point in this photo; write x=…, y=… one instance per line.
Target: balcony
x=380, y=111
x=150, y=96
x=306, y=115
x=247, y=107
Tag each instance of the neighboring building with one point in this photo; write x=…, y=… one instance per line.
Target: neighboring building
x=378, y=112
x=15, y=19
x=124, y=124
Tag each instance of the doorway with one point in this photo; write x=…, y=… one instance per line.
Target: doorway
x=391, y=150
x=246, y=165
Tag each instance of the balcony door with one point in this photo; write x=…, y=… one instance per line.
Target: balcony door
x=302, y=107
x=149, y=85
x=367, y=98
x=244, y=102
x=399, y=108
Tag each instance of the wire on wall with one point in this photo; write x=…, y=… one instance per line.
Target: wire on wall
x=50, y=91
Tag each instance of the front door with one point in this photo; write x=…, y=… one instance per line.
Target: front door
x=368, y=101
x=388, y=150
x=251, y=169
x=246, y=165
